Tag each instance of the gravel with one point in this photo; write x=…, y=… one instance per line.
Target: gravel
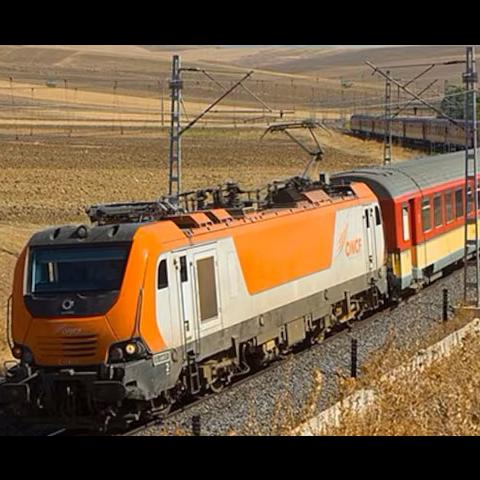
x=253, y=406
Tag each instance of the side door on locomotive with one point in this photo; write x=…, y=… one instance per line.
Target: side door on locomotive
x=198, y=296
x=374, y=237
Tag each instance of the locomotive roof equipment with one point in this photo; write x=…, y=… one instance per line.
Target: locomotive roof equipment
x=307, y=124
x=274, y=195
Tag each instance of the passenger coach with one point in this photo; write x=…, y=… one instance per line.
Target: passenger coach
x=422, y=202
x=437, y=134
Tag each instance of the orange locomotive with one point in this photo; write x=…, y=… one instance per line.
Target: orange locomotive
x=149, y=305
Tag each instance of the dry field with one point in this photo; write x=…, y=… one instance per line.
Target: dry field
x=51, y=180
x=27, y=106
x=126, y=74
x=298, y=79
x=141, y=72
x=123, y=86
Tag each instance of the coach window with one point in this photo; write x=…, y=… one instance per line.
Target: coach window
x=406, y=223
x=437, y=210
x=426, y=215
x=162, y=275
x=449, y=206
x=207, y=289
x=459, y=203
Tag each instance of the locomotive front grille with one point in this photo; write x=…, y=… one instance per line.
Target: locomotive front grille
x=69, y=347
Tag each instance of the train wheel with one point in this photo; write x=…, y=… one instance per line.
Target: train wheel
x=217, y=386
x=164, y=410
x=316, y=337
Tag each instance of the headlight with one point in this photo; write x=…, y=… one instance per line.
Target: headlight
x=116, y=354
x=131, y=348
x=20, y=352
x=126, y=351
x=17, y=352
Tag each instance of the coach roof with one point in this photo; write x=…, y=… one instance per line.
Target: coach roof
x=409, y=176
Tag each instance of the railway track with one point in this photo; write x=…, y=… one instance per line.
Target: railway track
x=189, y=406
x=277, y=365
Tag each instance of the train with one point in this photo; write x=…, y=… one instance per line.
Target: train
x=150, y=304
x=434, y=134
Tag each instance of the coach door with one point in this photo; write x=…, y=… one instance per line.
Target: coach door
x=370, y=237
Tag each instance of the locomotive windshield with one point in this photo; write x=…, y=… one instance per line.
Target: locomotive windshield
x=77, y=269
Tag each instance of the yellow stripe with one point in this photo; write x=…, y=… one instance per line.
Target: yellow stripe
x=440, y=247
x=429, y=252
x=401, y=263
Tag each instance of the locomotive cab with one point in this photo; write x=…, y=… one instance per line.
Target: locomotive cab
x=77, y=327
x=74, y=280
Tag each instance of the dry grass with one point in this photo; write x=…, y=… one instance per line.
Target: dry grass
x=443, y=399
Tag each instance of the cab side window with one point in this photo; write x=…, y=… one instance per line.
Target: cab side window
x=378, y=217
x=162, y=278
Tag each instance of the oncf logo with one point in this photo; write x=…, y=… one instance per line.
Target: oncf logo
x=67, y=331
x=68, y=304
x=342, y=240
x=353, y=247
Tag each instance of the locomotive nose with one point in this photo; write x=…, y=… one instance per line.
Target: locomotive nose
x=71, y=342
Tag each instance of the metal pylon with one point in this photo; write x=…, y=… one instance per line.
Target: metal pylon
x=387, y=145
x=176, y=85
x=471, y=266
